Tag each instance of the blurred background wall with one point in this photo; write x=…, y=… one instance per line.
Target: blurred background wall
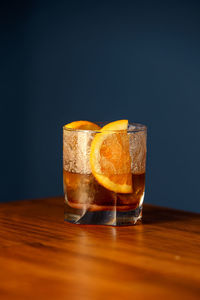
x=100, y=60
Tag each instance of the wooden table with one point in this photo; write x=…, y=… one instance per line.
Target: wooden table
x=42, y=257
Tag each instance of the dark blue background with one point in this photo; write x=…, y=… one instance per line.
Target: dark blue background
x=65, y=61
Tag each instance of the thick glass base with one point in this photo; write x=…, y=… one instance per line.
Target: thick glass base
x=102, y=216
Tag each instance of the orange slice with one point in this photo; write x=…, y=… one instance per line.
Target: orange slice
x=110, y=158
x=87, y=125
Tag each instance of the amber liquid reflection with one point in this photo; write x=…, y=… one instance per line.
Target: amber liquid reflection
x=83, y=190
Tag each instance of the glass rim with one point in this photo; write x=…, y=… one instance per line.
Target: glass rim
x=132, y=127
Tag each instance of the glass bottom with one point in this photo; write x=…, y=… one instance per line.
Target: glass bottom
x=107, y=216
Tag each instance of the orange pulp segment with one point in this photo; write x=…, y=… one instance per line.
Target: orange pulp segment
x=110, y=158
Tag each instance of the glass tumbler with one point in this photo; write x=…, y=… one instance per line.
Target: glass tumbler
x=104, y=175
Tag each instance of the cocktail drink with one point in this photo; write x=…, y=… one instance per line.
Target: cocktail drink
x=104, y=172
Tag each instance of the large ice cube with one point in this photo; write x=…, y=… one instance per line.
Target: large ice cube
x=137, y=141
x=76, y=151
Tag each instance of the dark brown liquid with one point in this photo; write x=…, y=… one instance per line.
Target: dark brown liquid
x=84, y=191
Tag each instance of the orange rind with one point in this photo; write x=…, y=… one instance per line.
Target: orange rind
x=85, y=125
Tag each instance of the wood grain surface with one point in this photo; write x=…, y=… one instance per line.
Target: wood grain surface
x=43, y=257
